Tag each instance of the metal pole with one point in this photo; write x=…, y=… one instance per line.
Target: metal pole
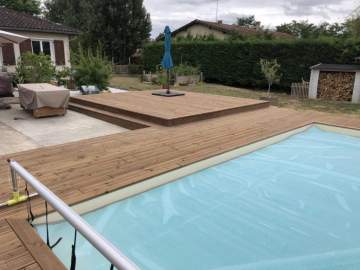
x=116, y=257
x=16, y=197
x=14, y=182
x=168, y=81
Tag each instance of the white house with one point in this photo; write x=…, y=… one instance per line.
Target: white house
x=220, y=30
x=44, y=37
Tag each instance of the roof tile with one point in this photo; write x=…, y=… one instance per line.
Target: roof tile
x=20, y=21
x=229, y=28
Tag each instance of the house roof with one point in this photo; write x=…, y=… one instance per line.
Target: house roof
x=229, y=28
x=20, y=21
x=336, y=67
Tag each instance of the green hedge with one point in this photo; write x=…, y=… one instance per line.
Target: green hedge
x=237, y=63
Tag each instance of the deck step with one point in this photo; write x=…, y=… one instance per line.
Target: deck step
x=113, y=118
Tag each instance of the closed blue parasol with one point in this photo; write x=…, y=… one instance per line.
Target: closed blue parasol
x=167, y=64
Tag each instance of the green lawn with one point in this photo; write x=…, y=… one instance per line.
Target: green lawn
x=278, y=99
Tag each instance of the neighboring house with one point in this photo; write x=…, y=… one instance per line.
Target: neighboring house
x=44, y=36
x=220, y=30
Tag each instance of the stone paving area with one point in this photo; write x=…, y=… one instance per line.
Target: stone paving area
x=19, y=131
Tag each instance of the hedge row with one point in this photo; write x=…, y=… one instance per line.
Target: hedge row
x=237, y=63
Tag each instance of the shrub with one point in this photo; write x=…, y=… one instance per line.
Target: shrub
x=34, y=68
x=185, y=70
x=237, y=62
x=92, y=69
x=62, y=75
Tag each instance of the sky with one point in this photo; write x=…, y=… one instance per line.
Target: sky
x=176, y=13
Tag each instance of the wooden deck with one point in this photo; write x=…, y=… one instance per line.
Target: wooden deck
x=22, y=248
x=168, y=111
x=82, y=170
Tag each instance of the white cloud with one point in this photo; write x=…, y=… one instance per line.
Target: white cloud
x=176, y=13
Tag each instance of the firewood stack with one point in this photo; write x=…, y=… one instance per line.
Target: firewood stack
x=336, y=85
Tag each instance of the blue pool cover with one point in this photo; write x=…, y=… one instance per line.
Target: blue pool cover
x=290, y=206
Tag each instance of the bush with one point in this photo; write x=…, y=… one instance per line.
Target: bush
x=185, y=70
x=63, y=75
x=34, y=68
x=237, y=62
x=92, y=69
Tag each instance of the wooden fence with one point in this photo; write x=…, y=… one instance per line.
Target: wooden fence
x=300, y=90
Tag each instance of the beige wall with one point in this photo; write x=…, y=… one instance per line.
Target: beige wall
x=201, y=31
x=42, y=36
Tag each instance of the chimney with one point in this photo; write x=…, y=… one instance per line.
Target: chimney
x=219, y=21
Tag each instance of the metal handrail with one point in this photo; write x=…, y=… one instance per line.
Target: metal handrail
x=108, y=250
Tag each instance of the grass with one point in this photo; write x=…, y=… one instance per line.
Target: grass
x=277, y=99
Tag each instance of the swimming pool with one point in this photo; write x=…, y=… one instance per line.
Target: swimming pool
x=291, y=205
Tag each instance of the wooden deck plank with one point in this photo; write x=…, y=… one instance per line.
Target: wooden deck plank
x=34, y=244
x=168, y=111
x=13, y=255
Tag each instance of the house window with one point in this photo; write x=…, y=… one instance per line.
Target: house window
x=36, y=47
x=41, y=47
x=46, y=47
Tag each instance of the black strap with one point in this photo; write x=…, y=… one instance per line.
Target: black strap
x=73, y=255
x=47, y=225
x=47, y=230
x=112, y=267
x=31, y=216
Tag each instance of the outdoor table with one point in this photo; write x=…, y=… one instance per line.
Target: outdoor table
x=44, y=99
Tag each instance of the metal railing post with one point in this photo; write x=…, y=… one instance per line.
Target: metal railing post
x=16, y=197
x=14, y=182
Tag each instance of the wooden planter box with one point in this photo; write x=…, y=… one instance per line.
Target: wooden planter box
x=186, y=80
x=149, y=77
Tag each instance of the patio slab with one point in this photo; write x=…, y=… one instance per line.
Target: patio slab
x=20, y=131
x=14, y=141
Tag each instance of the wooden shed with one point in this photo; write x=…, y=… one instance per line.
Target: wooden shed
x=335, y=82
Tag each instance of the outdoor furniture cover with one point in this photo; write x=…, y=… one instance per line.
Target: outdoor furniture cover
x=6, y=88
x=34, y=96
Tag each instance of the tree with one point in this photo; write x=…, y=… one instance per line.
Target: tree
x=75, y=13
x=300, y=29
x=29, y=6
x=305, y=29
x=270, y=69
x=353, y=23
x=247, y=21
x=122, y=27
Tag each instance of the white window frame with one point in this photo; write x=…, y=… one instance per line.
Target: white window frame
x=52, y=49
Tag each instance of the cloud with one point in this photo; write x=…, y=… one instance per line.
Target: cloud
x=176, y=13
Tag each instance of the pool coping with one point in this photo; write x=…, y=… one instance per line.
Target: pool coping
x=171, y=176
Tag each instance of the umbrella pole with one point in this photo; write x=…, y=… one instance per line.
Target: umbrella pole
x=168, y=81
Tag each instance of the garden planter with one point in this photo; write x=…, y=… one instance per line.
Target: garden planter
x=186, y=80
